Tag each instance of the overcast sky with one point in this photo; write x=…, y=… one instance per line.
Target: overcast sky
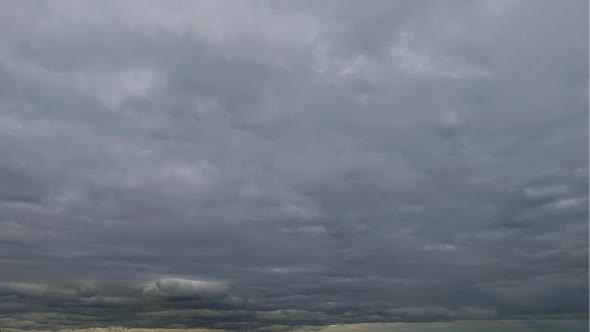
x=244, y=164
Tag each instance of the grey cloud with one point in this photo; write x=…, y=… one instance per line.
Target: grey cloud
x=174, y=287
x=266, y=165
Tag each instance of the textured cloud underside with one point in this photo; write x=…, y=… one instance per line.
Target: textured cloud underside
x=261, y=164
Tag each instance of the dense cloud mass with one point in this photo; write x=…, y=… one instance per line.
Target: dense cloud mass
x=259, y=165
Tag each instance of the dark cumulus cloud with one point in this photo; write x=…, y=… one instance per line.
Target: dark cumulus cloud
x=248, y=165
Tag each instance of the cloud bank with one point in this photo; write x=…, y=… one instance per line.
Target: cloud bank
x=258, y=165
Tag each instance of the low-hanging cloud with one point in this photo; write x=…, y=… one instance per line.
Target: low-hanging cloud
x=267, y=166
x=175, y=287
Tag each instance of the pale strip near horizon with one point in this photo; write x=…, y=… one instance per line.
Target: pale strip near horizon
x=571, y=325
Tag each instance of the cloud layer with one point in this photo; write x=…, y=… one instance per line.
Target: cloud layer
x=243, y=165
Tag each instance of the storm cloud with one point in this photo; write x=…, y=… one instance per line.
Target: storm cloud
x=248, y=165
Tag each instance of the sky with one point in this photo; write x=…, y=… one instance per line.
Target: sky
x=272, y=165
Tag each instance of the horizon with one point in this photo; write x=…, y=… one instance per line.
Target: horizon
x=546, y=325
